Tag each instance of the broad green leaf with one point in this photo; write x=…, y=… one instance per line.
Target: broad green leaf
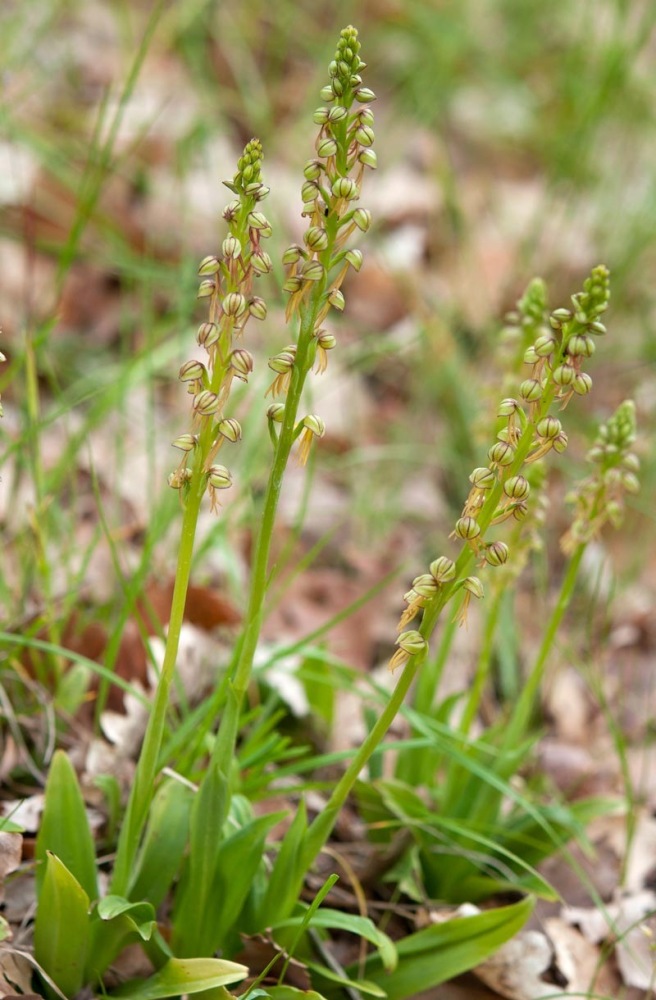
x=164, y=843
x=183, y=975
x=290, y=993
x=442, y=951
x=61, y=929
x=288, y=873
x=64, y=829
x=362, y=926
x=116, y=923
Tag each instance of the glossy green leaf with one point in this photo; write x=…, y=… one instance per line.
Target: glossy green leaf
x=164, y=843
x=183, y=975
x=61, y=929
x=64, y=829
x=116, y=923
x=442, y=951
x=289, y=871
x=361, y=926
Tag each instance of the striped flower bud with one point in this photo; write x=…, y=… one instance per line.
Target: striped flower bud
x=326, y=147
x=582, y=383
x=531, y=390
x=467, y=528
x=442, y=569
x=219, y=477
x=257, y=308
x=425, y=585
x=276, y=412
x=209, y=265
x=336, y=299
x=496, y=553
x=483, y=478
x=186, y=442
x=261, y=262
x=355, y=259
x=517, y=488
x=368, y=158
x=208, y=334
x=313, y=270
x=345, y=187
x=206, y=289
x=192, y=371
x=507, y=407
x=206, y=402
x=564, y=375
x=231, y=248
x=241, y=362
x=362, y=219
x=501, y=453
x=364, y=135
x=316, y=238
x=234, y=304
x=230, y=429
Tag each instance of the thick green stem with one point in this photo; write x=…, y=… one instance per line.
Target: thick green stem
x=143, y=787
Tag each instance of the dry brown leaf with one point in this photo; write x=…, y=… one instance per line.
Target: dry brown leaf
x=11, y=846
x=15, y=974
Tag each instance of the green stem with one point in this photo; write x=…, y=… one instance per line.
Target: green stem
x=143, y=787
x=521, y=717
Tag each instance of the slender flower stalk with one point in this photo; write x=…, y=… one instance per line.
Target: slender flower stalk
x=227, y=288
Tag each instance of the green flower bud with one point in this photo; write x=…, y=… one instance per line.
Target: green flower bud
x=313, y=170
x=260, y=223
x=186, y=442
x=315, y=424
x=483, y=478
x=474, y=586
x=364, y=96
x=327, y=94
x=582, y=384
x=507, y=407
x=631, y=462
x=241, y=362
x=205, y=289
x=231, y=211
x=355, y=259
x=364, y=135
x=261, y=262
x=209, y=265
x=520, y=510
x=560, y=442
x=531, y=356
x=560, y=316
x=581, y=346
x=501, y=453
x=549, y=428
x=230, y=429
x=326, y=147
x=412, y=642
x=467, y=528
x=282, y=362
x=425, y=585
x=496, y=553
x=630, y=482
x=219, y=477
x=257, y=308
x=362, y=219
x=325, y=340
x=313, y=270
x=208, y=334
x=309, y=192
x=276, y=412
x=336, y=299
x=316, y=238
x=231, y=248
x=192, y=371
x=597, y=328
x=442, y=569
x=346, y=188
x=293, y=254
x=531, y=390
x=321, y=115
x=517, y=488
x=545, y=345
x=368, y=157
x=564, y=375
x=337, y=114
x=234, y=304
x=292, y=284
x=206, y=402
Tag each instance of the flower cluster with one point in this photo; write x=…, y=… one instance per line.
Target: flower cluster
x=501, y=489
x=227, y=285
x=600, y=497
x=333, y=178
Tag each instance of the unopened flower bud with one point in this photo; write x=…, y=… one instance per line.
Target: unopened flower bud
x=276, y=412
x=442, y=569
x=517, y=488
x=186, y=442
x=257, y=308
x=531, y=356
x=192, y=371
x=483, y=478
x=209, y=265
x=320, y=116
x=337, y=114
x=206, y=402
x=467, y=528
x=368, y=158
x=582, y=383
x=411, y=642
x=560, y=442
x=549, y=428
x=581, y=346
x=545, y=345
x=425, y=585
x=208, y=334
x=325, y=148
x=364, y=135
x=630, y=482
x=292, y=284
x=501, y=453
x=231, y=248
x=309, y=192
x=531, y=390
x=282, y=362
x=364, y=95
x=355, y=259
x=316, y=238
x=560, y=316
x=219, y=477
x=564, y=375
x=230, y=429
x=241, y=362
x=313, y=170
x=362, y=219
x=234, y=304
x=597, y=328
x=507, y=407
x=496, y=553
x=345, y=187
x=258, y=221
x=315, y=424
x=261, y=262
x=326, y=93
x=293, y=254
x=336, y=299
x=313, y=270
x=206, y=289
x=326, y=340
x=474, y=586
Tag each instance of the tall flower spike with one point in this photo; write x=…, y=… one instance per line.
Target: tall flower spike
x=226, y=287
x=600, y=498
